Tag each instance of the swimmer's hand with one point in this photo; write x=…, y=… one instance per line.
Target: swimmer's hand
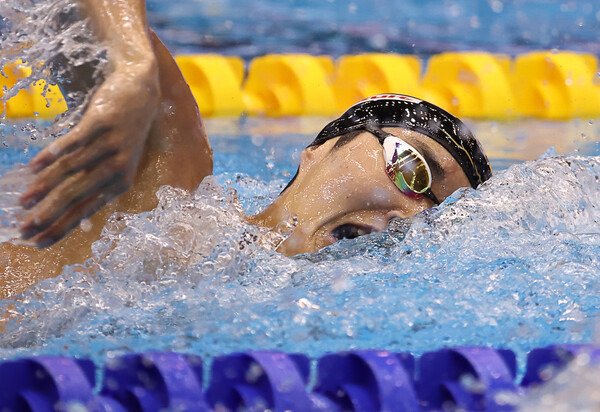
x=97, y=160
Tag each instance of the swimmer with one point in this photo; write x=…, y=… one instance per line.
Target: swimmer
x=388, y=156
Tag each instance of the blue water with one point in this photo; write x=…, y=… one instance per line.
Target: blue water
x=483, y=268
x=514, y=264
x=337, y=27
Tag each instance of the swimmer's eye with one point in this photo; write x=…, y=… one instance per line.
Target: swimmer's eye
x=350, y=231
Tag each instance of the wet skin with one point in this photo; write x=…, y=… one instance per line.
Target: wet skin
x=174, y=152
x=345, y=192
x=115, y=160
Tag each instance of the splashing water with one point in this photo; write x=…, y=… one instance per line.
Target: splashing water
x=192, y=275
x=514, y=264
x=574, y=389
x=49, y=38
x=12, y=184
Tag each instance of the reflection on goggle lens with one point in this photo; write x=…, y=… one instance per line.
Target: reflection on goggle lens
x=405, y=166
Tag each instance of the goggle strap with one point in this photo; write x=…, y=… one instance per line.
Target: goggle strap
x=429, y=194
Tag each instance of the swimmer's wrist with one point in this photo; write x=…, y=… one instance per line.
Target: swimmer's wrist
x=142, y=63
x=122, y=26
x=139, y=51
x=141, y=75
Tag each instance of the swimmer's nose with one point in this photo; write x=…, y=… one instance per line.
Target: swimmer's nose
x=297, y=242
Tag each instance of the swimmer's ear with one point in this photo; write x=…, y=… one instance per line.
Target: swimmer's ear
x=307, y=156
x=312, y=153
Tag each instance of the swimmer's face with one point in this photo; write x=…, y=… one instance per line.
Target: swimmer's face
x=344, y=192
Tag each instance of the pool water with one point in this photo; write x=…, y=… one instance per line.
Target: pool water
x=336, y=27
x=513, y=264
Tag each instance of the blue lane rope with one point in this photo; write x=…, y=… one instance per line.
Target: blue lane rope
x=464, y=378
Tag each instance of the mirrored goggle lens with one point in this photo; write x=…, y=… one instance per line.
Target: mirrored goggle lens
x=405, y=166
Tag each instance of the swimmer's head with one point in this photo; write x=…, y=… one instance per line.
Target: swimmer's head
x=387, y=156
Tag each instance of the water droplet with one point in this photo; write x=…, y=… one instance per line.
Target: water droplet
x=497, y=6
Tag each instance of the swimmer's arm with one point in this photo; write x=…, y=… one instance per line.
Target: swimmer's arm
x=97, y=160
x=123, y=27
x=176, y=153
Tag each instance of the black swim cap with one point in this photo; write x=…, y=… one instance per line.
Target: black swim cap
x=397, y=110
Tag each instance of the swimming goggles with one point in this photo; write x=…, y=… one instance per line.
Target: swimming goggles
x=407, y=112
x=405, y=166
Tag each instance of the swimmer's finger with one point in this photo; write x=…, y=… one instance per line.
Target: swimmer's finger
x=79, y=136
x=51, y=176
x=70, y=220
x=109, y=178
